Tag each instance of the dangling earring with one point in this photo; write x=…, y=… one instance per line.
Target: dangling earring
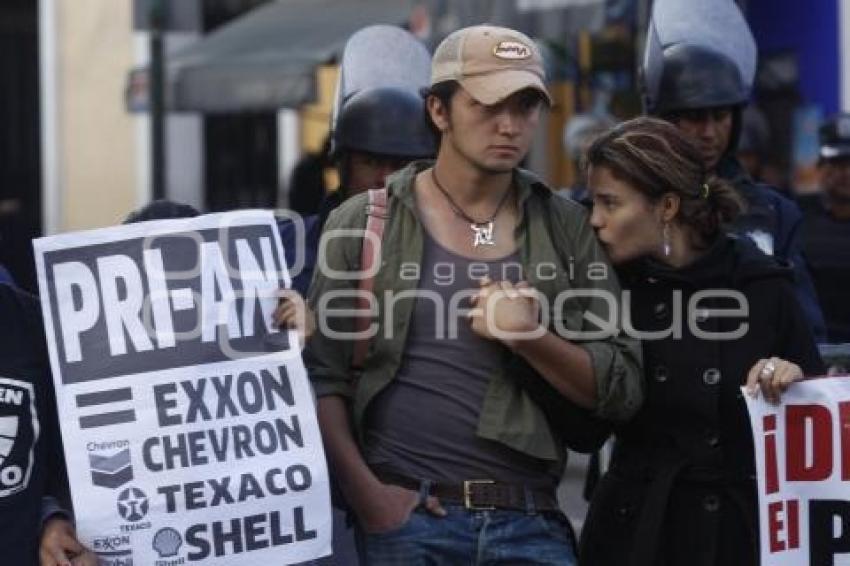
x=665, y=234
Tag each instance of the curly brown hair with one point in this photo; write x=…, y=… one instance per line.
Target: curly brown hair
x=657, y=159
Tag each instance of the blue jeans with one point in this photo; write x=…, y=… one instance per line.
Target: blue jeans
x=472, y=538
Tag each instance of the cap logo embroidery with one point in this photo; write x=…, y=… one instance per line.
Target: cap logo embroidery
x=511, y=50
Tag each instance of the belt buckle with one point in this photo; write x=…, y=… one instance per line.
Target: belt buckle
x=467, y=495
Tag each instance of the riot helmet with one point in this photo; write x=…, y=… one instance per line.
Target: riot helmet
x=377, y=122
x=694, y=77
x=384, y=121
x=698, y=55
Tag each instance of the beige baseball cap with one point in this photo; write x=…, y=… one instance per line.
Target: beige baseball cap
x=490, y=63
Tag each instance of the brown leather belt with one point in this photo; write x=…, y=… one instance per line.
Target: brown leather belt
x=479, y=495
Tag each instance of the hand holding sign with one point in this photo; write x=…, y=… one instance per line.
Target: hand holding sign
x=803, y=463
x=773, y=376
x=293, y=313
x=59, y=545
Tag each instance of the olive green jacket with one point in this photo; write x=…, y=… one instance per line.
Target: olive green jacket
x=570, y=259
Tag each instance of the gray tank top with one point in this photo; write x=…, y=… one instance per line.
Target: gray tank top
x=423, y=424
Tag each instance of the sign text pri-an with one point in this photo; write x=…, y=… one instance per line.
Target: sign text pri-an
x=208, y=299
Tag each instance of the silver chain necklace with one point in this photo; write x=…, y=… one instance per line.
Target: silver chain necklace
x=482, y=232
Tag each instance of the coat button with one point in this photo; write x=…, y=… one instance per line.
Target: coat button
x=711, y=376
x=661, y=311
x=713, y=440
x=661, y=374
x=711, y=503
x=701, y=315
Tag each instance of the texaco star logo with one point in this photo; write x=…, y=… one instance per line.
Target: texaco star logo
x=132, y=504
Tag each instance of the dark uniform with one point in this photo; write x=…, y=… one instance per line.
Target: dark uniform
x=774, y=223
x=826, y=245
x=826, y=236
x=31, y=458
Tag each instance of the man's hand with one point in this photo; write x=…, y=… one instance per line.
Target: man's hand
x=59, y=545
x=506, y=312
x=379, y=507
x=390, y=507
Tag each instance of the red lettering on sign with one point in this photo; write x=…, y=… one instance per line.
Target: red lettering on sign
x=798, y=420
x=775, y=525
x=783, y=525
x=793, y=509
x=770, y=461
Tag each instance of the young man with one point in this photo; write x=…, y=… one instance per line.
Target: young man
x=701, y=84
x=439, y=451
x=826, y=227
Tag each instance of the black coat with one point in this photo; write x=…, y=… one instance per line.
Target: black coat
x=681, y=487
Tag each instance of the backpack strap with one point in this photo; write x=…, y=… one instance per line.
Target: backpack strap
x=377, y=213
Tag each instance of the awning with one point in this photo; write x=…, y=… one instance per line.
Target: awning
x=265, y=59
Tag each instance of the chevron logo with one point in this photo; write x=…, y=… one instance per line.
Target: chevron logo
x=111, y=471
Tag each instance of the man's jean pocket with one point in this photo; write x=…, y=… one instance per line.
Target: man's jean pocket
x=472, y=537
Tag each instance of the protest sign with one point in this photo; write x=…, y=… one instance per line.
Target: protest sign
x=188, y=422
x=803, y=464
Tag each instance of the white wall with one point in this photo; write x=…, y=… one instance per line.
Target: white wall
x=87, y=135
x=95, y=154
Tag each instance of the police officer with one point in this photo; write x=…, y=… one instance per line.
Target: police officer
x=698, y=73
x=826, y=227
x=378, y=131
x=379, y=125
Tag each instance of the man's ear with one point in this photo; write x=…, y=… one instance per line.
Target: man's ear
x=669, y=204
x=438, y=112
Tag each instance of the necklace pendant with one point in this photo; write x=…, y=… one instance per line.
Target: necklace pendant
x=483, y=234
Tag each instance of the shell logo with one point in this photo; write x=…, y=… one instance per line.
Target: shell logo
x=166, y=542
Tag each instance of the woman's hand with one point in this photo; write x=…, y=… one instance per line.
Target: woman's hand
x=773, y=376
